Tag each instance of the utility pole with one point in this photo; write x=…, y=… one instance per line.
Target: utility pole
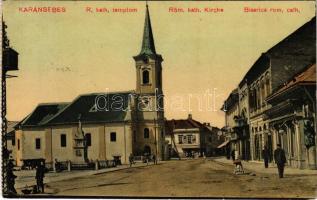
x=155, y=142
x=9, y=63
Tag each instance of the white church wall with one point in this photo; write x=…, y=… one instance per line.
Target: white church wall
x=18, y=149
x=93, y=149
x=27, y=145
x=62, y=153
x=122, y=146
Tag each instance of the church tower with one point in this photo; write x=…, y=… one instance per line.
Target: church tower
x=148, y=62
x=150, y=134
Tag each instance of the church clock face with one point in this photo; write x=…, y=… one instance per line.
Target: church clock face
x=145, y=103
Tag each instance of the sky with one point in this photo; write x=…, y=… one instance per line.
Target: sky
x=63, y=55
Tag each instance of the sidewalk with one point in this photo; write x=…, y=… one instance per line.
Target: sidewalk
x=258, y=167
x=27, y=177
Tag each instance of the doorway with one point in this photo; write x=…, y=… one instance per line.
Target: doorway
x=147, y=150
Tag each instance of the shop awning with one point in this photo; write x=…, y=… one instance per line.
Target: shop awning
x=223, y=144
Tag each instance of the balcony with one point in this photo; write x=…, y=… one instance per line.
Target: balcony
x=239, y=122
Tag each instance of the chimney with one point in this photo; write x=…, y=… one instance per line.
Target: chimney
x=190, y=116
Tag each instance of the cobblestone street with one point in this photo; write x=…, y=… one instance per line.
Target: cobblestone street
x=188, y=178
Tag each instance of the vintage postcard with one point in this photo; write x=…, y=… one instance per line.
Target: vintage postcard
x=159, y=99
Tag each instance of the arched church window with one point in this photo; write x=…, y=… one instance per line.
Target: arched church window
x=146, y=133
x=145, y=77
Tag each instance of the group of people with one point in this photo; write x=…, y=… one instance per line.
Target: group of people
x=279, y=157
x=147, y=158
x=192, y=154
x=40, y=171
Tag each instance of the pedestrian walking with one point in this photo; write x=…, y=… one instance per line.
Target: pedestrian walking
x=131, y=159
x=38, y=177
x=228, y=152
x=233, y=156
x=204, y=156
x=280, y=159
x=146, y=158
x=40, y=171
x=11, y=178
x=266, y=156
x=155, y=159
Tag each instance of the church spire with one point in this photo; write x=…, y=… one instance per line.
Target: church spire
x=148, y=47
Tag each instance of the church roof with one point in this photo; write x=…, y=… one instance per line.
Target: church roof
x=112, y=107
x=94, y=108
x=287, y=57
x=42, y=113
x=231, y=101
x=171, y=125
x=307, y=77
x=10, y=129
x=148, y=46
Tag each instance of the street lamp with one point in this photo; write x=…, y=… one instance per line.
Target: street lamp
x=155, y=141
x=9, y=63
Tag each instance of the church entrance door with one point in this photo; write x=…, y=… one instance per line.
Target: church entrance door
x=147, y=150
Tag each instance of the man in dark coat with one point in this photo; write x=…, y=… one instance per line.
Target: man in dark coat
x=40, y=171
x=228, y=152
x=266, y=156
x=131, y=159
x=280, y=159
x=233, y=155
x=11, y=178
x=154, y=159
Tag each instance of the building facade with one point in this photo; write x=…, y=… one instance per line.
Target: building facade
x=258, y=113
x=188, y=137
x=272, y=70
x=101, y=126
x=236, y=123
x=292, y=118
x=10, y=139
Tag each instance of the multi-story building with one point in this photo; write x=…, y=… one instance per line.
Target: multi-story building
x=231, y=109
x=292, y=118
x=213, y=138
x=186, y=137
x=256, y=105
x=259, y=84
x=10, y=139
x=269, y=72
